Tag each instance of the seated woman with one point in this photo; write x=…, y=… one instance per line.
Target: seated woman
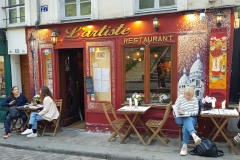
x=237, y=137
x=48, y=113
x=187, y=105
x=15, y=99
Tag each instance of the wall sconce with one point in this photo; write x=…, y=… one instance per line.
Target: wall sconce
x=54, y=36
x=155, y=24
x=219, y=18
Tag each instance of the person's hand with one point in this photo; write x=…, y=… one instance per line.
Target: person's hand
x=181, y=112
x=12, y=102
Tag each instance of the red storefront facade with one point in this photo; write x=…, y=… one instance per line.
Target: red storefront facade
x=98, y=52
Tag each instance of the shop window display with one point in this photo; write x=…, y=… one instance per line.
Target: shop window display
x=148, y=73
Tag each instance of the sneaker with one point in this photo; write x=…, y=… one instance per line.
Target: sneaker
x=237, y=138
x=197, y=140
x=184, y=150
x=6, y=135
x=32, y=135
x=27, y=131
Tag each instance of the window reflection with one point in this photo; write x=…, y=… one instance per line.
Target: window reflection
x=160, y=74
x=134, y=70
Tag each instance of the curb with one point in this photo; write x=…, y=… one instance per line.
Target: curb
x=107, y=156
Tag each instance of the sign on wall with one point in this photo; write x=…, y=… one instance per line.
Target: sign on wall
x=218, y=59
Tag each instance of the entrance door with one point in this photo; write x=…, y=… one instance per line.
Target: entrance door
x=71, y=85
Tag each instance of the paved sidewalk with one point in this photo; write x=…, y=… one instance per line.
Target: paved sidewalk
x=78, y=142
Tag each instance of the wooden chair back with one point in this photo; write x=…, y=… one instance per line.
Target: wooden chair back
x=55, y=122
x=107, y=107
x=59, y=106
x=167, y=112
x=116, y=123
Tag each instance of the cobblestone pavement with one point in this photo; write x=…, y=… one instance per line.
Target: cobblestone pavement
x=21, y=154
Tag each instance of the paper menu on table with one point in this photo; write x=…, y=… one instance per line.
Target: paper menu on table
x=212, y=111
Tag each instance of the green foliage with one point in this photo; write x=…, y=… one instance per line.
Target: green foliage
x=130, y=64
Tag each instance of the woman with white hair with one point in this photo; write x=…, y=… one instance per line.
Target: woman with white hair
x=187, y=105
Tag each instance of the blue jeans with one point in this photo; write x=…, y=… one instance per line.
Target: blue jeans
x=8, y=121
x=188, y=129
x=34, y=118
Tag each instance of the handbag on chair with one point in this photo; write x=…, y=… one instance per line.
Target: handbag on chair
x=14, y=112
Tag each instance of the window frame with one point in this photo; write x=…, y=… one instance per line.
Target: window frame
x=173, y=85
x=155, y=9
x=78, y=11
x=18, y=8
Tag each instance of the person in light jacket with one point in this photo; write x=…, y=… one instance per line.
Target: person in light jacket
x=237, y=137
x=187, y=105
x=48, y=113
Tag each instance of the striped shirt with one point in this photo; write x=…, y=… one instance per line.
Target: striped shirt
x=189, y=107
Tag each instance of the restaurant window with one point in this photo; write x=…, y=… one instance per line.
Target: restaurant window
x=100, y=73
x=143, y=5
x=2, y=78
x=148, y=73
x=16, y=14
x=77, y=8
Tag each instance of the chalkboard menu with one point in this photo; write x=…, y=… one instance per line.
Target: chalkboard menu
x=89, y=85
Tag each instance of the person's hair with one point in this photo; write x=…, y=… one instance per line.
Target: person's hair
x=188, y=90
x=11, y=94
x=45, y=91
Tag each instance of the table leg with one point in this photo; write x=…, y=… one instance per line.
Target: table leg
x=224, y=133
x=128, y=132
x=28, y=117
x=136, y=117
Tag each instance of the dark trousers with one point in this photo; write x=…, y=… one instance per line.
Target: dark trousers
x=8, y=121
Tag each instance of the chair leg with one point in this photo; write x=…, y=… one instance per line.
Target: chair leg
x=164, y=135
x=116, y=132
x=155, y=134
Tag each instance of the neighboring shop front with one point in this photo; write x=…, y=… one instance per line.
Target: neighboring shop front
x=110, y=60
x=5, y=73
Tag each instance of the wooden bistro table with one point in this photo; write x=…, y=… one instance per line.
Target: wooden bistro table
x=220, y=118
x=136, y=112
x=28, y=109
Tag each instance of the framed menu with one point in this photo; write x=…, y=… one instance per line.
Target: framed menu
x=100, y=73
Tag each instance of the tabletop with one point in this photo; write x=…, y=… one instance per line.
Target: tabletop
x=134, y=109
x=220, y=113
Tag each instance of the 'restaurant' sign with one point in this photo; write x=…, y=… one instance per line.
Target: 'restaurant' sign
x=148, y=39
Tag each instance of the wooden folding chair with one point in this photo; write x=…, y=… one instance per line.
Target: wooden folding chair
x=116, y=123
x=51, y=128
x=156, y=127
x=14, y=125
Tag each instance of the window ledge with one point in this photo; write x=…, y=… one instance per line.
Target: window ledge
x=76, y=19
x=16, y=25
x=153, y=105
x=154, y=11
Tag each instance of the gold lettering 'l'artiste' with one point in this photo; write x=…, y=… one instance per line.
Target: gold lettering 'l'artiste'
x=105, y=31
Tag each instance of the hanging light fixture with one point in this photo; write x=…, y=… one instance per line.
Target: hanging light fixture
x=155, y=24
x=54, y=36
x=219, y=16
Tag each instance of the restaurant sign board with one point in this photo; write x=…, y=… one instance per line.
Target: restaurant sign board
x=105, y=31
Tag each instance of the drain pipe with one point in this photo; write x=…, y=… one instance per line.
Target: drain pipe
x=38, y=14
